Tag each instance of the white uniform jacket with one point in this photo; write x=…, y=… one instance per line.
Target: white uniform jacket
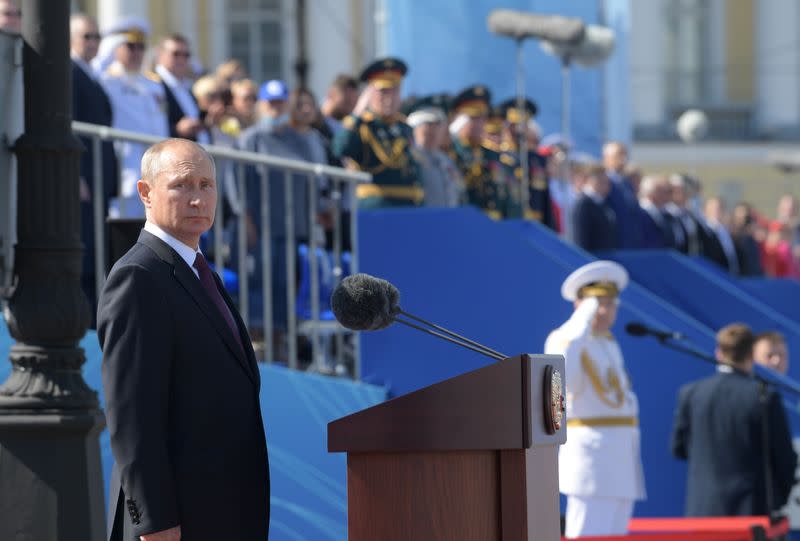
x=139, y=105
x=602, y=455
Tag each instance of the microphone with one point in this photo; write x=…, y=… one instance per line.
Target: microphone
x=520, y=25
x=364, y=303
x=593, y=48
x=638, y=329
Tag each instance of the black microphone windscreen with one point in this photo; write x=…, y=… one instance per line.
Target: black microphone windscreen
x=635, y=329
x=521, y=25
x=364, y=303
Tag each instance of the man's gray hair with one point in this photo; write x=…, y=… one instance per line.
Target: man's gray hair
x=649, y=184
x=76, y=18
x=151, y=160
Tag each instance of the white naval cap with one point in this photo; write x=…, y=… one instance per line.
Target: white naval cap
x=599, y=278
x=128, y=23
x=427, y=115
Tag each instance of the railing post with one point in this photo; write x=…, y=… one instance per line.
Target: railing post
x=291, y=309
x=338, y=269
x=98, y=198
x=266, y=266
x=313, y=264
x=354, y=263
x=244, y=299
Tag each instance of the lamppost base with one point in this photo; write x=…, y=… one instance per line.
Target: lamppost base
x=50, y=474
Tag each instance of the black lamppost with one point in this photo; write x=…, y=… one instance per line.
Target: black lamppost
x=50, y=477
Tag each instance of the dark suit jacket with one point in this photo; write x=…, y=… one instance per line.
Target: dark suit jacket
x=718, y=429
x=174, y=111
x=90, y=104
x=594, y=225
x=626, y=208
x=653, y=235
x=181, y=405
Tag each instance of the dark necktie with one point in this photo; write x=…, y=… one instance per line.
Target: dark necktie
x=207, y=280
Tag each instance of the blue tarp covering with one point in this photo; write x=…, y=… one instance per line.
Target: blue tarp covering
x=499, y=284
x=448, y=47
x=309, y=494
x=700, y=291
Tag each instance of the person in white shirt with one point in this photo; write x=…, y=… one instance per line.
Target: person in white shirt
x=138, y=104
x=174, y=72
x=600, y=469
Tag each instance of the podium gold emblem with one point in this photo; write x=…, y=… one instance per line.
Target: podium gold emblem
x=553, y=399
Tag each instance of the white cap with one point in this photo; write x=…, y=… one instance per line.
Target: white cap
x=429, y=115
x=127, y=23
x=458, y=123
x=609, y=277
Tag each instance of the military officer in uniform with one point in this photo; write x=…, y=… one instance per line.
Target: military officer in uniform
x=494, y=128
x=441, y=180
x=600, y=469
x=540, y=207
x=486, y=177
x=376, y=139
x=138, y=104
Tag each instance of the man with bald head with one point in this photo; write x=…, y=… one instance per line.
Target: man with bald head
x=179, y=374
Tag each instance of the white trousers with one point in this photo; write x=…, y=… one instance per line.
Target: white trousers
x=588, y=515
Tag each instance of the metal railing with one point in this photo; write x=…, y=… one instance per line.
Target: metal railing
x=341, y=181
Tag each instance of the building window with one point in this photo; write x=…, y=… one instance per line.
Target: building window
x=255, y=37
x=687, y=35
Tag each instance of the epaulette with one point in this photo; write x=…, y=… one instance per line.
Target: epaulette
x=367, y=116
x=153, y=76
x=507, y=159
x=349, y=122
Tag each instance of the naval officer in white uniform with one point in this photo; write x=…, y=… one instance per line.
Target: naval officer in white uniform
x=600, y=468
x=139, y=104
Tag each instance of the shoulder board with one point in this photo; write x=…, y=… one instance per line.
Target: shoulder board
x=367, y=116
x=153, y=76
x=508, y=160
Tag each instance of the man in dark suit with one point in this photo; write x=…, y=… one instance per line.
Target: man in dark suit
x=731, y=435
x=622, y=197
x=179, y=374
x=90, y=104
x=594, y=224
x=174, y=73
x=655, y=223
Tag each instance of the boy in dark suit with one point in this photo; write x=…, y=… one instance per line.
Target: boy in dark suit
x=720, y=429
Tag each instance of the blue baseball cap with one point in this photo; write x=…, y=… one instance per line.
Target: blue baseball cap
x=273, y=90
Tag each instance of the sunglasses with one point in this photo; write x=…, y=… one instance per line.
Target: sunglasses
x=92, y=37
x=135, y=46
x=12, y=13
x=181, y=54
x=250, y=97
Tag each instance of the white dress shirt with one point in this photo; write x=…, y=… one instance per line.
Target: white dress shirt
x=186, y=252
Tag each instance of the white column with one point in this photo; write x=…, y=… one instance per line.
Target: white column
x=184, y=18
x=777, y=68
x=648, y=61
x=330, y=39
x=110, y=11
x=217, y=32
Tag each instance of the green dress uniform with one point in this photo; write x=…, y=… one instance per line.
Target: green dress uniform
x=381, y=146
x=486, y=177
x=540, y=206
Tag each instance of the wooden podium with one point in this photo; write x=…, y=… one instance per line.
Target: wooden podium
x=474, y=457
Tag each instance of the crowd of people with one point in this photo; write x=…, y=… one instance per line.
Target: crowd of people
x=438, y=150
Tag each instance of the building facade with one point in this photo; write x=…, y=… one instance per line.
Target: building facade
x=270, y=37
x=739, y=62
